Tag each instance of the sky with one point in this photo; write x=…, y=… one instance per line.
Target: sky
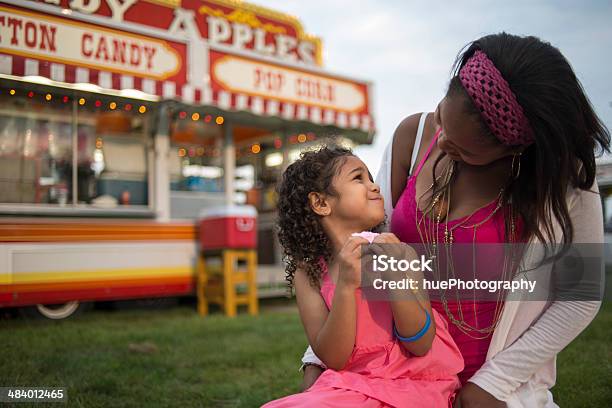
x=406, y=48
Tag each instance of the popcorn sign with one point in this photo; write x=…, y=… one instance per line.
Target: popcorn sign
x=255, y=78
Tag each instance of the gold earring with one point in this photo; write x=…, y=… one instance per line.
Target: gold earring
x=517, y=166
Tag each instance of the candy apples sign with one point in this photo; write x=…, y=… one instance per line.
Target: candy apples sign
x=243, y=28
x=233, y=23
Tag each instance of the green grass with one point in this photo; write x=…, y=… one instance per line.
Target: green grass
x=216, y=361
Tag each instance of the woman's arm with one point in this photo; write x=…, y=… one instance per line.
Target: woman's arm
x=561, y=323
x=331, y=334
x=311, y=374
x=403, y=143
x=313, y=367
x=556, y=327
x=395, y=164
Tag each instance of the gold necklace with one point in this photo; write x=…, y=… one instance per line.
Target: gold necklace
x=429, y=238
x=460, y=322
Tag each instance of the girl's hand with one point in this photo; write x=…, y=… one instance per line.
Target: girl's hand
x=311, y=374
x=349, y=262
x=386, y=238
x=398, y=250
x=472, y=396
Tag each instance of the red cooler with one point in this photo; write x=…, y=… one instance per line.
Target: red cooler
x=228, y=227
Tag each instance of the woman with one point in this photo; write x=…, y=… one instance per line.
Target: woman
x=514, y=140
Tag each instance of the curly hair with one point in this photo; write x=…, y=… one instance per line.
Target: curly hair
x=299, y=228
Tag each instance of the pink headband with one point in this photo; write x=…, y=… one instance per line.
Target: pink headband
x=495, y=100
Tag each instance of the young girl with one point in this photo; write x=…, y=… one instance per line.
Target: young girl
x=378, y=353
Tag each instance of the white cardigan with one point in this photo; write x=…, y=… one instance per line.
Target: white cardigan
x=520, y=363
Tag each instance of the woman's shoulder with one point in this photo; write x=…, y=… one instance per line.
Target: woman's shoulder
x=404, y=137
x=402, y=145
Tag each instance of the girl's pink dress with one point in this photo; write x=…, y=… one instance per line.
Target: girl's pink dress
x=380, y=372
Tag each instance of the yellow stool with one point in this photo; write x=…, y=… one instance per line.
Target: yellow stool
x=217, y=284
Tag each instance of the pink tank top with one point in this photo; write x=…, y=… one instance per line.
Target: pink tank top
x=481, y=313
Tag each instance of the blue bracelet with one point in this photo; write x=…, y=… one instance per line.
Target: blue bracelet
x=418, y=335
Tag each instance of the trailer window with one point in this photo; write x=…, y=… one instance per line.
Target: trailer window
x=65, y=149
x=35, y=148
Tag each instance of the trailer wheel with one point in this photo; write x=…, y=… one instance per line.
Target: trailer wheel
x=57, y=311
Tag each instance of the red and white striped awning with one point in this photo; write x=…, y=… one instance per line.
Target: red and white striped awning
x=15, y=65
